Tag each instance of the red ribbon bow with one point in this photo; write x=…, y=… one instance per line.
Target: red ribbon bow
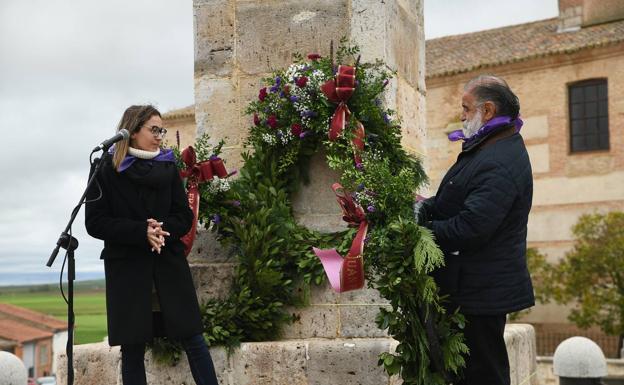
x=197, y=173
x=202, y=171
x=339, y=90
x=351, y=275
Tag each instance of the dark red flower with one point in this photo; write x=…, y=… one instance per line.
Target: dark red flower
x=272, y=121
x=263, y=94
x=256, y=120
x=301, y=82
x=296, y=129
x=314, y=56
x=286, y=89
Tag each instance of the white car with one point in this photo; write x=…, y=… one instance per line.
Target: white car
x=46, y=380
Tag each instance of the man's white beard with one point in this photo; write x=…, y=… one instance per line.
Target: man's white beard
x=472, y=126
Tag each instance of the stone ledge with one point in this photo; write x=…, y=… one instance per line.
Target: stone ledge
x=316, y=361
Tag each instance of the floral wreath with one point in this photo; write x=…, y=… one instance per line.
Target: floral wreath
x=313, y=103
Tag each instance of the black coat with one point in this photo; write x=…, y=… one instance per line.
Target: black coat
x=479, y=218
x=119, y=218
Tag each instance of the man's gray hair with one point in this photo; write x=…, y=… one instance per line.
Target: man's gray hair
x=496, y=90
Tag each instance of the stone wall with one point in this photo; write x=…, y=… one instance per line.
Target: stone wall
x=315, y=361
x=566, y=185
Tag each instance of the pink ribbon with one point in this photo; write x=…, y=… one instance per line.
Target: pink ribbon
x=345, y=274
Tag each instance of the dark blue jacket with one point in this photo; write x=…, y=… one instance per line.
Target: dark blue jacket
x=479, y=218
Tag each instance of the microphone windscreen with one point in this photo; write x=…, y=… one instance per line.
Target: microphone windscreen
x=124, y=133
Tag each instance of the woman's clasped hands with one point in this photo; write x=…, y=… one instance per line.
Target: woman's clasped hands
x=156, y=235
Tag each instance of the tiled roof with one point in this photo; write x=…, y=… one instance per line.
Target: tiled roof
x=32, y=317
x=471, y=51
x=185, y=112
x=11, y=329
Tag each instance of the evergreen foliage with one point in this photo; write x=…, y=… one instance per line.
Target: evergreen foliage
x=276, y=265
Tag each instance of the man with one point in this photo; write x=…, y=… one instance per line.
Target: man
x=479, y=218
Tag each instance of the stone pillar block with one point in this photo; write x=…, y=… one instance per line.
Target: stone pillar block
x=268, y=363
x=208, y=249
x=522, y=352
x=213, y=24
x=347, y=361
x=410, y=105
x=315, y=205
x=212, y=280
x=94, y=364
x=270, y=32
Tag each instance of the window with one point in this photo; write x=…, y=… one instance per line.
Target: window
x=43, y=354
x=589, y=115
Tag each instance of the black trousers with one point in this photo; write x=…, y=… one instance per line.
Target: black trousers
x=487, y=363
x=197, y=353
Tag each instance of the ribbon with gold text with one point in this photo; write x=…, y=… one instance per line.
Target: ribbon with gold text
x=346, y=273
x=196, y=173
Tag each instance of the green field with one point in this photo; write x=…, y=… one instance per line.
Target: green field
x=89, y=308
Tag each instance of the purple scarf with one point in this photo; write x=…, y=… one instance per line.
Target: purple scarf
x=166, y=155
x=491, y=125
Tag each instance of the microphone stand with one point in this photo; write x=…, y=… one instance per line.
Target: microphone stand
x=69, y=243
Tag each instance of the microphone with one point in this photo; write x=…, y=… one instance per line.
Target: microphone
x=105, y=145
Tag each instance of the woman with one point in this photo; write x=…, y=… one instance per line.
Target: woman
x=140, y=211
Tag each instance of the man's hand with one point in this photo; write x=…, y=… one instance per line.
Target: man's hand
x=155, y=234
x=419, y=210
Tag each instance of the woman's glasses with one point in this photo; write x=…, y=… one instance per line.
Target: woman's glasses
x=158, y=131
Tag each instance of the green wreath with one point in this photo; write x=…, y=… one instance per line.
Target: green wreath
x=253, y=215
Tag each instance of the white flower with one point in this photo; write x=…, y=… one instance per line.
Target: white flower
x=218, y=185
x=268, y=139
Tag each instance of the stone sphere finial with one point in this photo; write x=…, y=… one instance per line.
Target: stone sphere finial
x=579, y=357
x=12, y=369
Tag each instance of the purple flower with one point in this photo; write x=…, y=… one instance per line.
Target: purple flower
x=309, y=114
x=385, y=83
x=378, y=102
x=214, y=157
x=216, y=219
x=303, y=134
x=282, y=94
x=386, y=118
x=236, y=203
x=360, y=187
x=366, y=239
x=294, y=98
x=371, y=209
x=278, y=81
x=359, y=166
x=274, y=88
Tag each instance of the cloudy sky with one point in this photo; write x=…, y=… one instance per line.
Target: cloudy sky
x=68, y=69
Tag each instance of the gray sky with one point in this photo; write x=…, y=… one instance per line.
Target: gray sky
x=68, y=69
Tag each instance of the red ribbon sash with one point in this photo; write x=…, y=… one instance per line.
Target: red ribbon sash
x=346, y=273
x=197, y=173
x=339, y=90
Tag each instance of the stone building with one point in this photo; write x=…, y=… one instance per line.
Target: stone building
x=181, y=123
x=567, y=72
x=32, y=336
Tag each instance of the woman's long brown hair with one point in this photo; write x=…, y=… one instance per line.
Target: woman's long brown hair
x=132, y=120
